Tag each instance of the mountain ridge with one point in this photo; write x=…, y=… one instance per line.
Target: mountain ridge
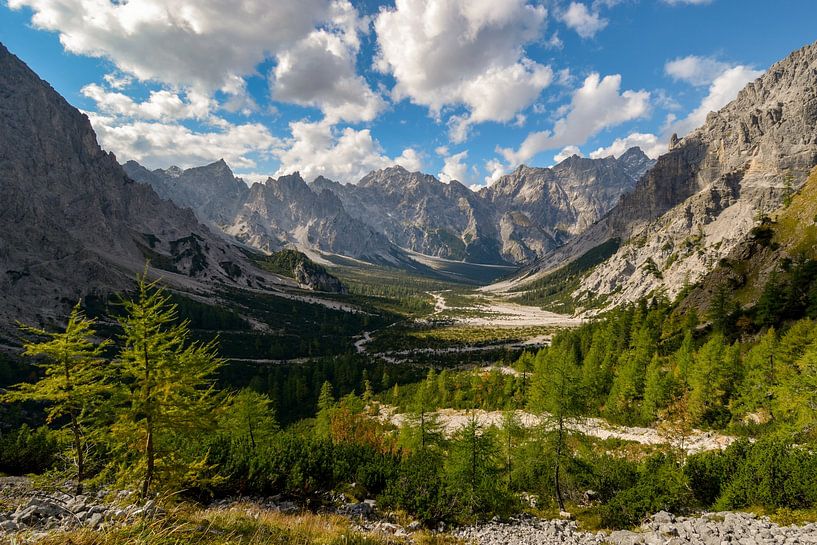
x=703, y=196
x=392, y=210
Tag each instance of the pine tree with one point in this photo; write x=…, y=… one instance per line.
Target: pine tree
x=657, y=390
x=628, y=386
x=761, y=380
x=170, y=379
x=511, y=434
x=558, y=397
x=471, y=466
x=326, y=403
x=711, y=379
x=423, y=429
x=524, y=365
x=685, y=356
x=249, y=415
x=797, y=394
x=73, y=384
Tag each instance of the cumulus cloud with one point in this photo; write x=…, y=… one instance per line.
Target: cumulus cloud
x=722, y=90
x=202, y=43
x=585, y=22
x=454, y=168
x=318, y=149
x=320, y=71
x=161, y=105
x=598, y=104
x=695, y=70
x=463, y=53
x=650, y=144
x=496, y=169
x=567, y=151
x=157, y=144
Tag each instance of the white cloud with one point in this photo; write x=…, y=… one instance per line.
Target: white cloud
x=200, y=43
x=650, y=144
x=586, y=23
x=723, y=89
x=320, y=71
x=463, y=53
x=252, y=177
x=318, y=149
x=567, y=151
x=118, y=81
x=158, y=145
x=596, y=105
x=161, y=105
x=687, y=2
x=695, y=70
x=454, y=168
x=495, y=170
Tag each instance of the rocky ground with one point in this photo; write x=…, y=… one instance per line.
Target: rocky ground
x=28, y=514
x=26, y=510
x=662, y=529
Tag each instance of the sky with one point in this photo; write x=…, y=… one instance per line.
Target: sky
x=462, y=89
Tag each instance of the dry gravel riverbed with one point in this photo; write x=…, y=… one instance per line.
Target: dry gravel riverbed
x=452, y=420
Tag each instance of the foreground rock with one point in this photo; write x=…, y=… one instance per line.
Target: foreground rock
x=41, y=513
x=662, y=529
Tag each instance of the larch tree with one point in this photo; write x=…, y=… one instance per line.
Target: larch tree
x=73, y=384
x=557, y=395
x=326, y=404
x=422, y=428
x=170, y=380
x=249, y=416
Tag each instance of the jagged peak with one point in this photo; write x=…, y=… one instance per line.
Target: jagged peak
x=634, y=151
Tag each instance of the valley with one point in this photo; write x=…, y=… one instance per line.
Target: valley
x=611, y=349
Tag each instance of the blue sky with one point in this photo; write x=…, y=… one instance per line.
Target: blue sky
x=463, y=89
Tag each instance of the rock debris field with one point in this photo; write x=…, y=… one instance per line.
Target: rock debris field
x=662, y=529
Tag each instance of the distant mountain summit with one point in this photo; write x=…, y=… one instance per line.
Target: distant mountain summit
x=72, y=223
x=539, y=209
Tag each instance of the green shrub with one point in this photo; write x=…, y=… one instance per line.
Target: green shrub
x=27, y=450
x=776, y=473
x=709, y=472
x=420, y=489
x=661, y=485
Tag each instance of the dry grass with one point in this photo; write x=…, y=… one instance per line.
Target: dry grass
x=237, y=525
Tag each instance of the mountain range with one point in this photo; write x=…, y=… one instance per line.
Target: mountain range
x=391, y=211
x=75, y=222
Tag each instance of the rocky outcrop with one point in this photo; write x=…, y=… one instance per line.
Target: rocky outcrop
x=72, y=223
x=702, y=198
